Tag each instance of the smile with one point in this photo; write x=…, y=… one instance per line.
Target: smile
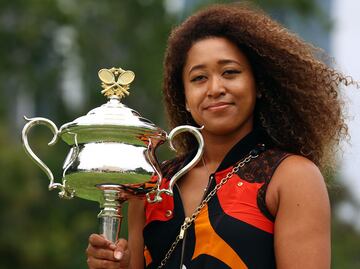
x=217, y=106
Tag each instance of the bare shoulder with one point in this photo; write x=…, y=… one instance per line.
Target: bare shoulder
x=296, y=174
x=296, y=180
x=298, y=198
x=299, y=167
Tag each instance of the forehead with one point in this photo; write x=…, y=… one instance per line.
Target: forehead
x=214, y=49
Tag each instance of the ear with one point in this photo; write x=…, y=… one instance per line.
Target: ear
x=187, y=106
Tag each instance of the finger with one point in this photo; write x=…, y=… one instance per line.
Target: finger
x=99, y=241
x=122, y=244
x=121, y=247
x=125, y=260
x=100, y=253
x=94, y=263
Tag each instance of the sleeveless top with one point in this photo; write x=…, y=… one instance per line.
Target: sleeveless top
x=234, y=230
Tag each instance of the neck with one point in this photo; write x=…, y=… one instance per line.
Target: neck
x=216, y=147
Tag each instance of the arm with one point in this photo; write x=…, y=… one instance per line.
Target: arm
x=136, y=221
x=298, y=196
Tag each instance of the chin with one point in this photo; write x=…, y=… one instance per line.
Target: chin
x=221, y=130
x=224, y=128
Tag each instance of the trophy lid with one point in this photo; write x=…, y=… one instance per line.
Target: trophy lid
x=113, y=121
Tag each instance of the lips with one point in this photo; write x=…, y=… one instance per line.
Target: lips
x=217, y=105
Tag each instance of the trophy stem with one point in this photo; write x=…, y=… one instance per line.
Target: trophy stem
x=110, y=216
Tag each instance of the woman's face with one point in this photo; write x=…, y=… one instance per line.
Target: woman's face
x=220, y=88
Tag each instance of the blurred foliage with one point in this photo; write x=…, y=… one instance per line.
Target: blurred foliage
x=345, y=237
x=47, y=44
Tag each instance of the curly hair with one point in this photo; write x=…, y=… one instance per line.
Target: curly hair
x=300, y=107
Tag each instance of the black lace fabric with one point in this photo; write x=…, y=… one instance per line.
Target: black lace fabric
x=261, y=170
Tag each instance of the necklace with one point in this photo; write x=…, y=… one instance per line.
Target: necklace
x=190, y=220
x=208, y=173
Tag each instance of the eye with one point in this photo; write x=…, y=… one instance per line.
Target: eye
x=198, y=78
x=231, y=72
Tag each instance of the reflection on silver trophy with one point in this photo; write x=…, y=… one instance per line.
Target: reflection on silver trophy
x=112, y=153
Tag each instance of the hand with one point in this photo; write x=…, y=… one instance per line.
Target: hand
x=104, y=254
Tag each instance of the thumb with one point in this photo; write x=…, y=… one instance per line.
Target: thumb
x=121, y=247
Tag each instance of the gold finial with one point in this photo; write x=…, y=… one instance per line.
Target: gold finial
x=116, y=81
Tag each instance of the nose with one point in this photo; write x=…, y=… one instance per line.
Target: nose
x=216, y=87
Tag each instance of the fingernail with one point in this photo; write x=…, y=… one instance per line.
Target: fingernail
x=118, y=255
x=112, y=246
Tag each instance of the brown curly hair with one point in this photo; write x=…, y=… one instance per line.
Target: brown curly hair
x=300, y=108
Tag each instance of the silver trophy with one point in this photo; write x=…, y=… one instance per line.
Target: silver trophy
x=112, y=153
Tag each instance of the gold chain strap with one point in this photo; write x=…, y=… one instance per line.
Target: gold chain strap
x=189, y=220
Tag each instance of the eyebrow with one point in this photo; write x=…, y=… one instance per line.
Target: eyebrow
x=221, y=62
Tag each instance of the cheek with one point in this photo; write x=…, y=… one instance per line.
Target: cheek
x=249, y=103
x=191, y=105
x=247, y=92
x=192, y=97
x=193, y=108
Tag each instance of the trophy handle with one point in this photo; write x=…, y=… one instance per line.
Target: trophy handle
x=42, y=121
x=169, y=191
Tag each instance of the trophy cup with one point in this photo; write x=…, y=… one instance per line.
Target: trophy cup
x=112, y=153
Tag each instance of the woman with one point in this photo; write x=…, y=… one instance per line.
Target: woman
x=271, y=115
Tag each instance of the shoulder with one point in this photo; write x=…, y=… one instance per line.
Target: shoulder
x=298, y=199
x=297, y=171
x=263, y=168
x=296, y=180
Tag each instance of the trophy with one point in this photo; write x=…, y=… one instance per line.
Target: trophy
x=112, y=153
